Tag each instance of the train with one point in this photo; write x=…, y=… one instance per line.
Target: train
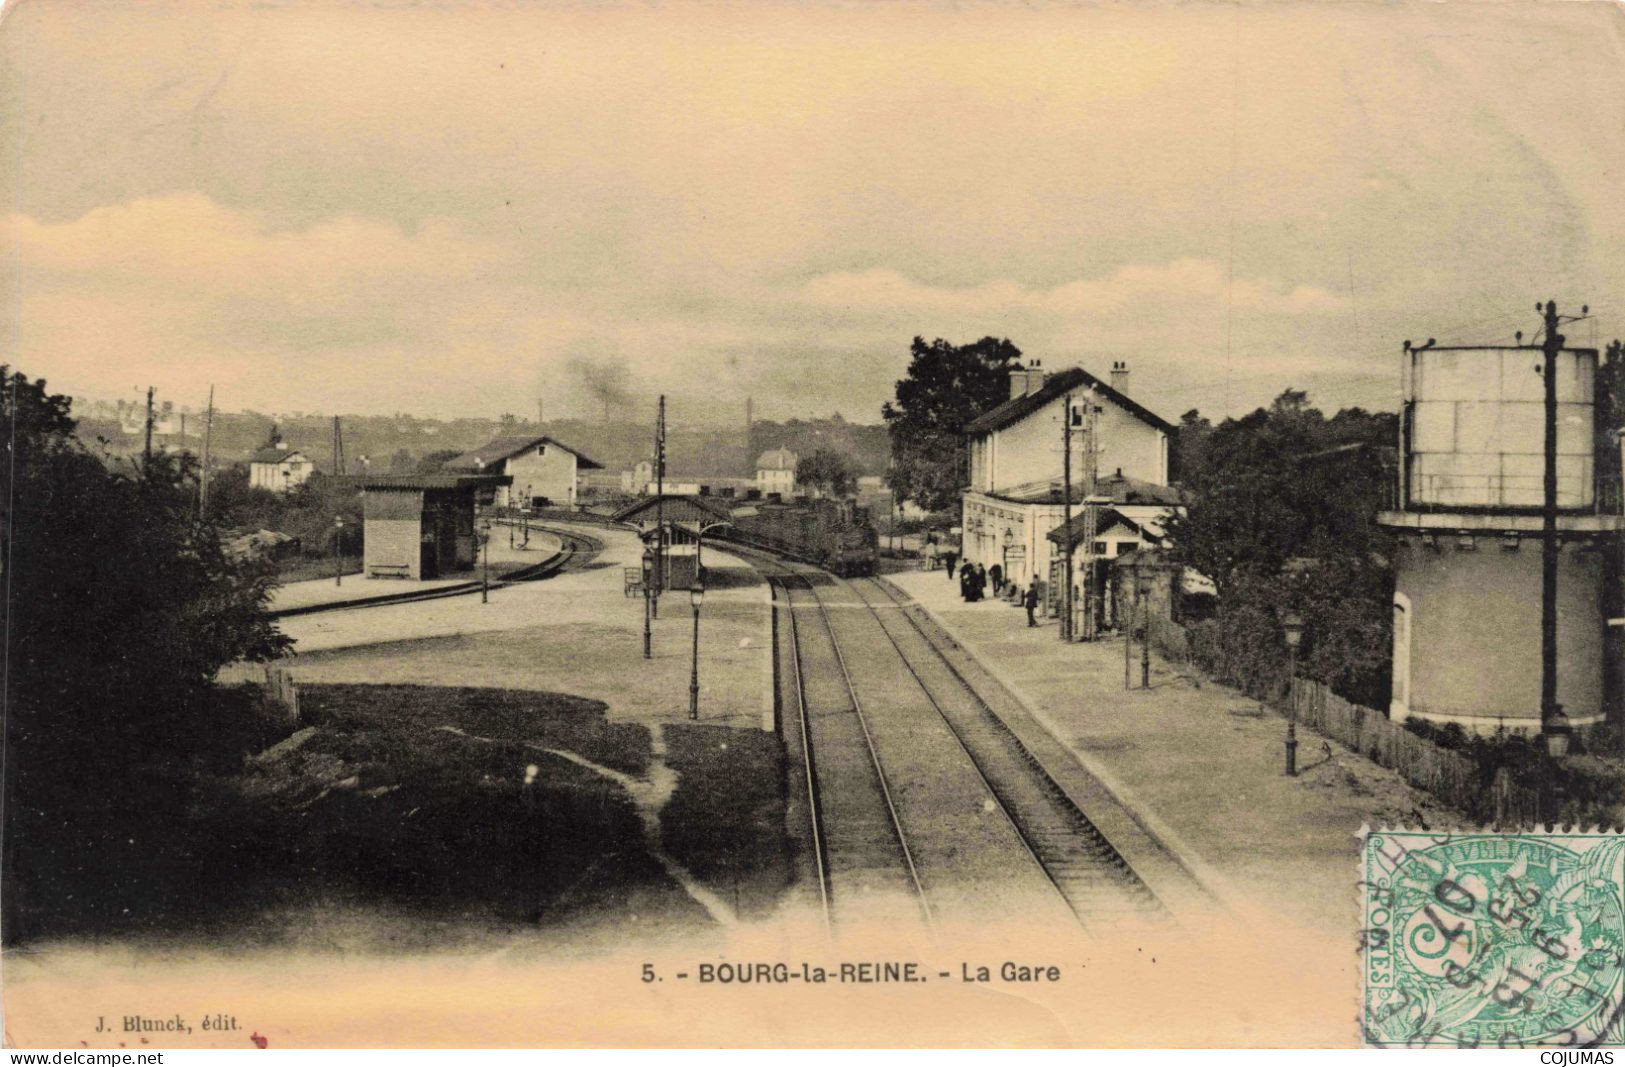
x=834, y=534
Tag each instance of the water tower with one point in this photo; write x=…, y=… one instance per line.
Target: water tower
x=1468, y=564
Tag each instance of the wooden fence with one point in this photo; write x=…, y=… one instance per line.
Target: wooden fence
x=1450, y=776
x=280, y=690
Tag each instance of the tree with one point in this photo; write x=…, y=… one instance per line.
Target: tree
x=430, y=462
x=946, y=387
x=122, y=608
x=1283, y=514
x=828, y=470
x=1190, y=446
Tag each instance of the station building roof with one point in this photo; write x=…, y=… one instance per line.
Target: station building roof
x=1056, y=385
x=504, y=448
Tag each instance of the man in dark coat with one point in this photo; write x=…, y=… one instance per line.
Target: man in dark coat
x=1029, y=600
x=995, y=574
x=949, y=558
x=967, y=582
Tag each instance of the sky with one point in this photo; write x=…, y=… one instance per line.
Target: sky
x=458, y=209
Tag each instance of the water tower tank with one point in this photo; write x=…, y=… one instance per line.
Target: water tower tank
x=1476, y=436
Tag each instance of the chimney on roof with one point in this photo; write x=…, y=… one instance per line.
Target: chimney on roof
x=1120, y=376
x=1028, y=379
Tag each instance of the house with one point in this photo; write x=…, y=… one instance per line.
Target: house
x=541, y=471
x=638, y=478
x=1017, y=494
x=776, y=471
x=279, y=468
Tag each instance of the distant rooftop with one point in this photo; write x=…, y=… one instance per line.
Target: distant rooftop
x=776, y=459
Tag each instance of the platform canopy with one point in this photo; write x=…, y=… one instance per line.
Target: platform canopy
x=686, y=512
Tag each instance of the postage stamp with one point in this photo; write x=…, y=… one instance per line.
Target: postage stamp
x=1490, y=940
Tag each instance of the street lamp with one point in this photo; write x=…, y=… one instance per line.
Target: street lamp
x=338, y=549
x=648, y=599
x=696, y=597
x=1143, y=601
x=1292, y=628
x=485, y=566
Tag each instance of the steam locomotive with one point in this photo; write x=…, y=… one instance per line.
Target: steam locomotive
x=834, y=534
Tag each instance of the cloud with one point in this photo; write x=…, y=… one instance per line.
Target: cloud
x=1131, y=289
x=188, y=239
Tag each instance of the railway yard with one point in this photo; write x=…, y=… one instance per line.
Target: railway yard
x=918, y=792
x=879, y=779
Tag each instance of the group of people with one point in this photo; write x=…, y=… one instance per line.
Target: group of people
x=975, y=579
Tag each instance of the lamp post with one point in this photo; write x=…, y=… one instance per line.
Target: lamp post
x=1143, y=602
x=696, y=597
x=338, y=550
x=1292, y=628
x=648, y=601
x=485, y=565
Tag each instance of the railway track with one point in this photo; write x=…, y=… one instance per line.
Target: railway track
x=576, y=550
x=1078, y=864
x=865, y=867
x=1091, y=876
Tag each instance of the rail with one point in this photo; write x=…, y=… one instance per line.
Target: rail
x=1038, y=842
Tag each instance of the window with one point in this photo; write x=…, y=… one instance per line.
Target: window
x=541, y=450
x=1100, y=548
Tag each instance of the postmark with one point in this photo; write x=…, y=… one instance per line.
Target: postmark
x=1490, y=940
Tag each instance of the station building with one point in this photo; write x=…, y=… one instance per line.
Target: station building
x=541, y=471
x=1017, y=495
x=421, y=526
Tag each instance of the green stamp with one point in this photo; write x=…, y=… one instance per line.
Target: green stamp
x=1492, y=940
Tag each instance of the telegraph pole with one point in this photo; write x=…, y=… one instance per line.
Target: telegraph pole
x=1091, y=522
x=1551, y=347
x=1066, y=522
x=146, y=451
x=660, y=506
x=338, y=447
